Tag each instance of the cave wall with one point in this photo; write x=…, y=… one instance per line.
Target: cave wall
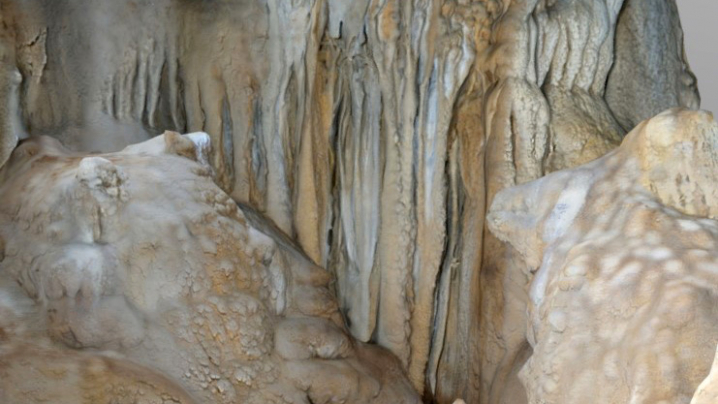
x=375, y=133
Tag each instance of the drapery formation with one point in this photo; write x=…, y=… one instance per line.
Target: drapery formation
x=375, y=133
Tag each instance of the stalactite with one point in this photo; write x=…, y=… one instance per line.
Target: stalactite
x=373, y=133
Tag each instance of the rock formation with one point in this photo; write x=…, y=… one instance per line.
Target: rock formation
x=707, y=392
x=621, y=256
x=371, y=135
x=131, y=277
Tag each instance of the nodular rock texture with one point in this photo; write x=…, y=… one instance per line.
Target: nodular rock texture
x=374, y=133
x=621, y=257
x=131, y=277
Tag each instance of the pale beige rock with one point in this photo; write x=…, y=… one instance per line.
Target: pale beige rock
x=707, y=392
x=621, y=257
x=374, y=133
x=130, y=277
x=10, y=78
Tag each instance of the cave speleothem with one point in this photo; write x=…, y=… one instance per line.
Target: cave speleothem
x=354, y=201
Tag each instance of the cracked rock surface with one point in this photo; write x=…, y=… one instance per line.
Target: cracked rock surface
x=374, y=134
x=130, y=277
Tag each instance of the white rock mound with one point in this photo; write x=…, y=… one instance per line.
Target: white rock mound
x=623, y=259
x=132, y=278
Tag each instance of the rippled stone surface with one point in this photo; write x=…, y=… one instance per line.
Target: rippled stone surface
x=373, y=133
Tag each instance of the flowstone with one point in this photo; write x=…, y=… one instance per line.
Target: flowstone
x=373, y=133
x=623, y=265
x=130, y=277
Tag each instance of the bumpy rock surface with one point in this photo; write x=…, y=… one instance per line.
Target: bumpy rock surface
x=131, y=277
x=622, y=257
x=374, y=133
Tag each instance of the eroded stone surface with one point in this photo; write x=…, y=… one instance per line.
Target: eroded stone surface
x=374, y=133
x=131, y=276
x=621, y=257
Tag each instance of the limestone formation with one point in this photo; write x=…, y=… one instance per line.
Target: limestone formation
x=621, y=257
x=131, y=277
x=707, y=392
x=369, y=135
